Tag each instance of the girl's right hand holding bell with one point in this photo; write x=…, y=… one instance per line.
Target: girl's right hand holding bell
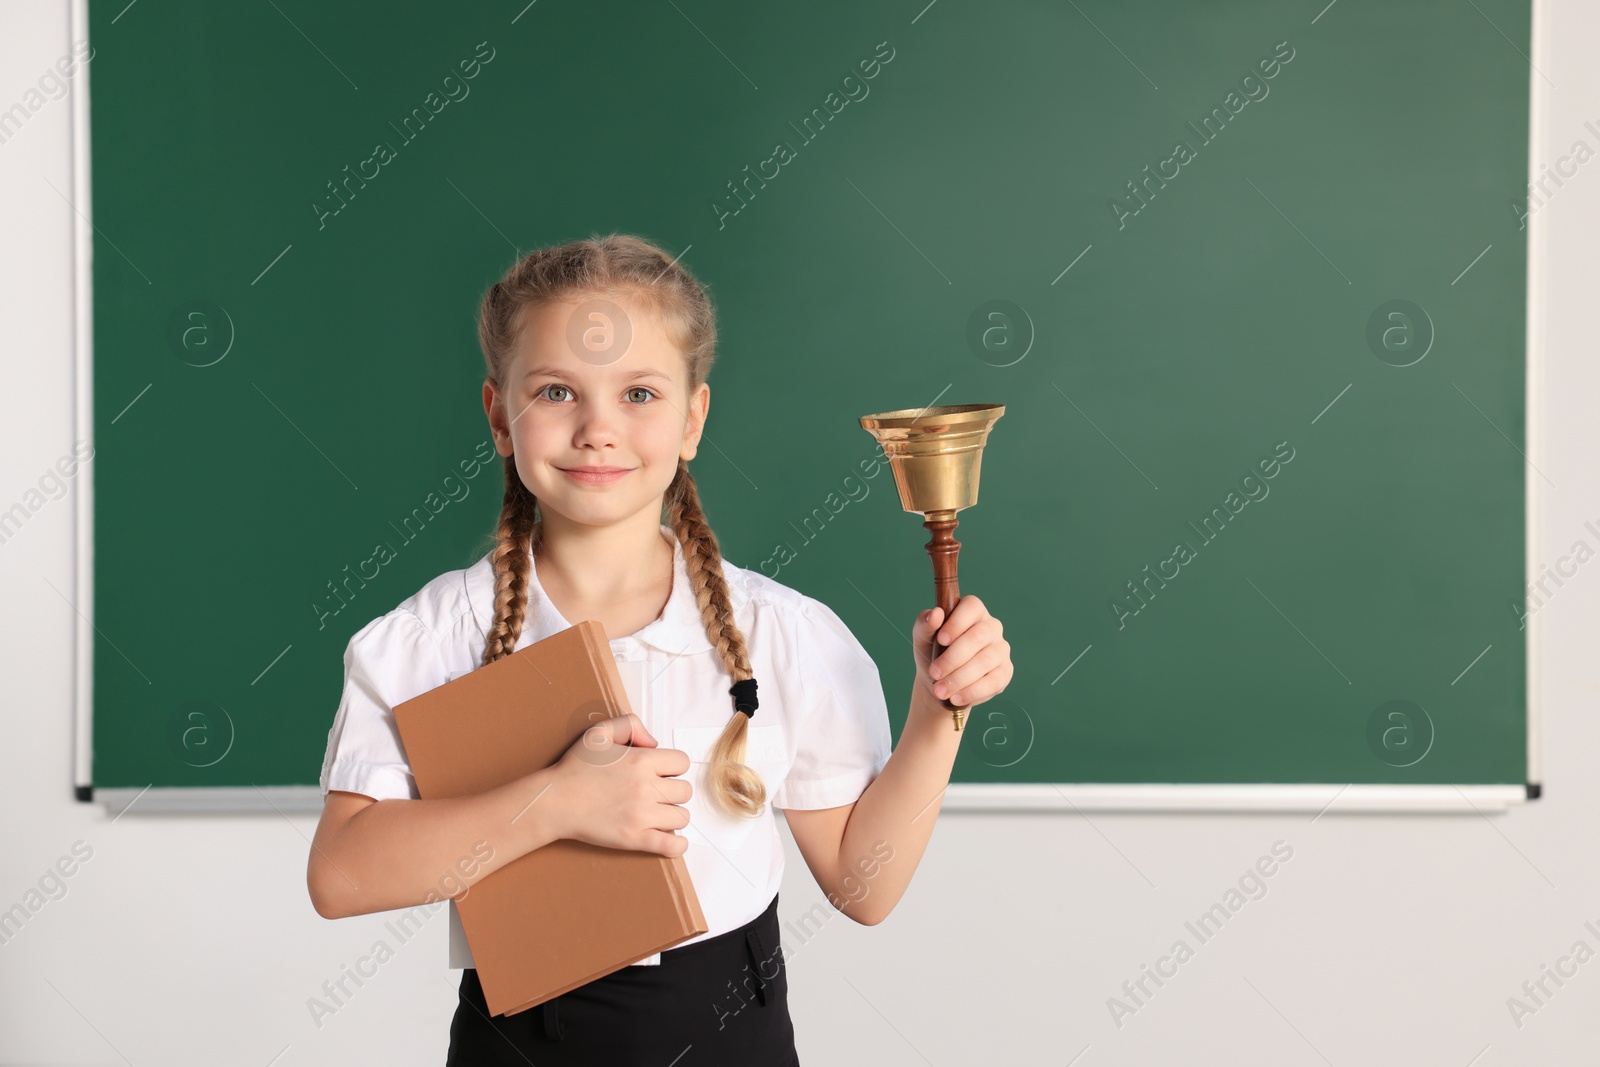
x=616, y=788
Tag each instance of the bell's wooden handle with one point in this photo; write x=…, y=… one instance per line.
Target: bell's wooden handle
x=943, y=550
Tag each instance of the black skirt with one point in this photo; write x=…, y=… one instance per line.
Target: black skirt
x=721, y=1001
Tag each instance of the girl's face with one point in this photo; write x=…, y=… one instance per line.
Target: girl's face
x=595, y=382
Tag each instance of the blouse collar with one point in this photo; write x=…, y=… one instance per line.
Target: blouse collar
x=678, y=630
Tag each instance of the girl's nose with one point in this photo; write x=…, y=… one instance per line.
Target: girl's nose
x=595, y=424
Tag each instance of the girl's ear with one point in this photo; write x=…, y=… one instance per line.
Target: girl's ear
x=699, y=409
x=497, y=424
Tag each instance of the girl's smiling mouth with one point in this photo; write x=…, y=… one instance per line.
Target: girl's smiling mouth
x=595, y=475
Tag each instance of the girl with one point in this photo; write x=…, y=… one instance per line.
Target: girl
x=598, y=354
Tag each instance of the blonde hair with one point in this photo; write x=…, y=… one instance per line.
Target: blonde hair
x=620, y=264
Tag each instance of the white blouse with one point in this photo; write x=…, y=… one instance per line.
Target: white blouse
x=818, y=739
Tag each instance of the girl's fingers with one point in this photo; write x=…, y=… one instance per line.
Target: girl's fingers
x=665, y=843
x=976, y=664
x=627, y=730
x=951, y=658
x=968, y=612
x=922, y=632
x=969, y=673
x=985, y=687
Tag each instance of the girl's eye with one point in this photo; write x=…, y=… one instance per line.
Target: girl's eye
x=647, y=393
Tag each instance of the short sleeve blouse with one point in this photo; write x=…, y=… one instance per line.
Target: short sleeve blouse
x=818, y=739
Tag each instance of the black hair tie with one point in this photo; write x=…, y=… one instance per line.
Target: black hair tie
x=744, y=697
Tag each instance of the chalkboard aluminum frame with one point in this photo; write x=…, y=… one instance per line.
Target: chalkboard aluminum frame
x=1320, y=798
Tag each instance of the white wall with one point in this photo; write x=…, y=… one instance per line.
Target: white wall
x=1385, y=940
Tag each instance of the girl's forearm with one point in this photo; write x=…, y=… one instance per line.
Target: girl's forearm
x=891, y=823
x=404, y=853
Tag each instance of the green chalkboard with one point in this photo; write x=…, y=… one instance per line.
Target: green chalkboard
x=1249, y=278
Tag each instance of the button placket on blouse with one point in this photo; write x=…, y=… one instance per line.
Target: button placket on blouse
x=642, y=664
x=626, y=655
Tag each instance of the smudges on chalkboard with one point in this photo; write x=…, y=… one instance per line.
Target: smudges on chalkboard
x=783, y=553
x=783, y=153
x=384, y=152
x=1254, y=488
x=1252, y=87
x=343, y=589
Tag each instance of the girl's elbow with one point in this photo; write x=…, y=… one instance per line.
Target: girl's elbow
x=320, y=901
x=323, y=890
x=861, y=911
x=326, y=912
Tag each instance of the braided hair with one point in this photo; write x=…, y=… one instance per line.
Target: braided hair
x=623, y=264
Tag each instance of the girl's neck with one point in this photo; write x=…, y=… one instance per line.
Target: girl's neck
x=589, y=570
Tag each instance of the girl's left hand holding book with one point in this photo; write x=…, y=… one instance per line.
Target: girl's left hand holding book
x=974, y=661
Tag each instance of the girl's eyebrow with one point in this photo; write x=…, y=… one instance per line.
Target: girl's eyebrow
x=557, y=372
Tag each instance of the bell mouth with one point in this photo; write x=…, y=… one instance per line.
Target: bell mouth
x=930, y=420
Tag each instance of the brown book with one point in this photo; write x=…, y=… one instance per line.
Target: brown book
x=569, y=912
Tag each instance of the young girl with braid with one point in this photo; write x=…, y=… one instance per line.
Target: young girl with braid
x=747, y=695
